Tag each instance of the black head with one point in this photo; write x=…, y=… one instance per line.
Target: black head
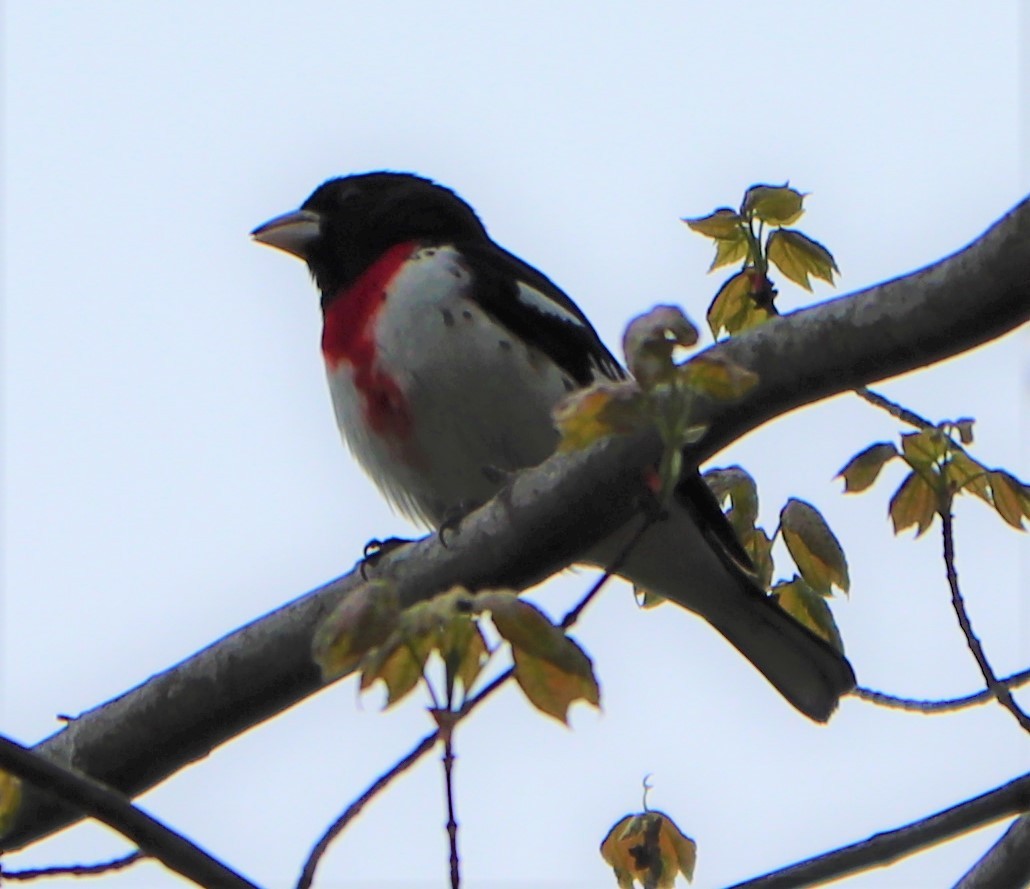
x=348, y=223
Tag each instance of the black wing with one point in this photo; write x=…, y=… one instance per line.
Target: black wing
x=555, y=324
x=536, y=310
x=697, y=498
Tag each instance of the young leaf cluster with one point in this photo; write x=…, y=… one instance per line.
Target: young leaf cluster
x=662, y=393
x=368, y=632
x=818, y=556
x=940, y=468
x=649, y=848
x=756, y=235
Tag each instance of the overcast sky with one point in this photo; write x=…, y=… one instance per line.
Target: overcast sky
x=172, y=470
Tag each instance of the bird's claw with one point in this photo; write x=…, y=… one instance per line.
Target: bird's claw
x=375, y=549
x=452, y=523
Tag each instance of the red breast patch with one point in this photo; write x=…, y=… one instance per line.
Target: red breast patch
x=347, y=336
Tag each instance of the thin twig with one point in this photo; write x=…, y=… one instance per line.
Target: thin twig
x=307, y=875
x=895, y=409
x=74, y=870
x=112, y=808
x=612, y=569
x=1016, y=680
x=426, y=744
x=452, y=822
x=993, y=685
x=890, y=846
x=417, y=752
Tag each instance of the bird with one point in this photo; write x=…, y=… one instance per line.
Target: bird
x=445, y=355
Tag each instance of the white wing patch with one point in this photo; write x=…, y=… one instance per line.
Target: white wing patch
x=534, y=299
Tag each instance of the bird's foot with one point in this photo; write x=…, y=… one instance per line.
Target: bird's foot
x=375, y=549
x=451, y=523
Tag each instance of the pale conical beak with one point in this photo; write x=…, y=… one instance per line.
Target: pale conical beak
x=292, y=232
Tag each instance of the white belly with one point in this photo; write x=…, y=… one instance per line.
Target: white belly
x=479, y=400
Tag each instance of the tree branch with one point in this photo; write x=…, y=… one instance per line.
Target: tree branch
x=307, y=874
x=73, y=870
x=1007, y=863
x=424, y=746
x=890, y=846
x=922, y=705
x=994, y=686
x=548, y=516
x=91, y=798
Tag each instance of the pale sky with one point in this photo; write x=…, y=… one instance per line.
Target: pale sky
x=172, y=470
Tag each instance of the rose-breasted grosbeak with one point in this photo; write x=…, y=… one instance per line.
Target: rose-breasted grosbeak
x=445, y=355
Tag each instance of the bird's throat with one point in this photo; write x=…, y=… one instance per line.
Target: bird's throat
x=348, y=338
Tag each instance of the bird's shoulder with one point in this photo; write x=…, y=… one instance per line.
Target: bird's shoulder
x=530, y=305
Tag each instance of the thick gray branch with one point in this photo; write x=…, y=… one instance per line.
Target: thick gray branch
x=150, y=835
x=891, y=846
x=548, y=516
x=1007, y=863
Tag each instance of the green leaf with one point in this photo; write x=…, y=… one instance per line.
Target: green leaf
x=728, y=252
x=650, y=341
x=526, y=627
x=363, y=620
x=923, y=450
x=10, y=800
x=734, y=308
x=725, y=227
x=731, y=301
x=718, y=377
x=444, y=624
x=1011, y=499
x=862, y=469
x=722, y=224
x=798, y=256
x=736, y=485
x=649, y=848
x=463, y=649
x=965, y=429
x=814, y=548
x=914, y=503
x=963, y=473
x=773, y=204
x=550, y=687
x=588, y=415
x=399, y=662
x=758, y=545
x=552, y=670
x=806, y=606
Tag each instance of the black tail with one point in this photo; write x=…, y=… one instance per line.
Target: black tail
x=679, y=561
